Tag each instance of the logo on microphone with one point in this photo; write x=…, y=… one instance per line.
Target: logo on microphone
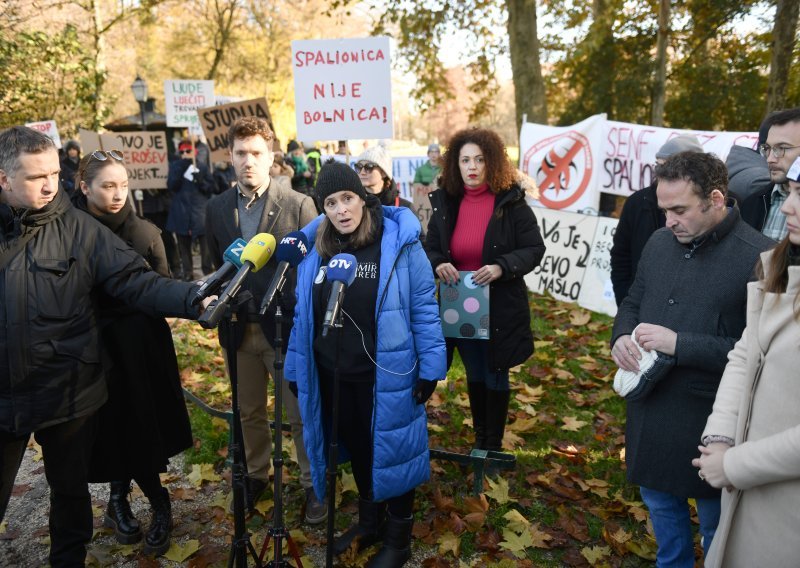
x=340, y=263
x=562, y=166
x=295, y=242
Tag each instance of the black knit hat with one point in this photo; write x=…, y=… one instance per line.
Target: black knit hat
x=336, y=176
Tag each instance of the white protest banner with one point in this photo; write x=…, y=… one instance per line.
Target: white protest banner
x=342, y=88
x=182, y=98
x=217, y=120
x=629, y=152
x=144, y=155
x=564, y=162
x=568, y=237
x=48, y=128
x=597, y=294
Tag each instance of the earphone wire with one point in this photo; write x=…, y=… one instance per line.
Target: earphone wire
x=364, y=345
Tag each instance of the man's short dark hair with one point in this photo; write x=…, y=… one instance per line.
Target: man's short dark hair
x=21, y=140
x=786, y=116
x=248, y=126
x=706, y=172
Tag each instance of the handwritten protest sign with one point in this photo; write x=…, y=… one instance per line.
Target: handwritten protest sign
x=343, y=88
x=182, y=98
x=217, y=120
x=144, y=153
x=597, y=293
x=48, y=128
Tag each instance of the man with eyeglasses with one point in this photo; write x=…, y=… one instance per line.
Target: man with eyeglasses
x=762, y=209
x=53, y=260
x=688, y=301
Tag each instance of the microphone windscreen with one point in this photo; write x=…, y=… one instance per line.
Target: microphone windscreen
x=233, y=253
x=292, y=248
x=259, y=250
x=342, y=268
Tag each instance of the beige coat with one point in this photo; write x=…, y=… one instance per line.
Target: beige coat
x=758, y=406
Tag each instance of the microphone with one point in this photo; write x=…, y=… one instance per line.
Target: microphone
x=291, y=250
x=233, y=261
x=254, y=256
x=342, y=272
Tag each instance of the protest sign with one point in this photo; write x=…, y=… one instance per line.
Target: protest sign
x=217, y=120
x=343, y=88
x=182, y=98
x=48, y=128
x=573, y=164
x=597, y=293
x=144, y=154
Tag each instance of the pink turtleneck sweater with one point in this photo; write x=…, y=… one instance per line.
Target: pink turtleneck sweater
x=466, y=244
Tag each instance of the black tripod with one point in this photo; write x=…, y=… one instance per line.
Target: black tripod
x=277, y=532
x=241, y=544
x=333, y=445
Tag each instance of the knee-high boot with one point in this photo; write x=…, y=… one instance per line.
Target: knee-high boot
x=119, y=515
x=367, y=531
x=396, y=549
x=496, y=418
x=156, y=541
x=477, y=405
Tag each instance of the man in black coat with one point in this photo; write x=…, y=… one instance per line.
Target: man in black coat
x=688, y=300
x=639, y=219
x=53, y=261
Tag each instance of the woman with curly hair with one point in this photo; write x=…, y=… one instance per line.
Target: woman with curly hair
x=481, y=223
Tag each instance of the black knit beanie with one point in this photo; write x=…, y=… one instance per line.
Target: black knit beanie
x=336, y=176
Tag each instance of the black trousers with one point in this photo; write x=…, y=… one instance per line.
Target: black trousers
x=66, y=449
x=159, y=219
x=355, y=434
x=185, y=248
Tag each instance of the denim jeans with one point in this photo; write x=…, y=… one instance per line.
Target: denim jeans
x=475, y=356
x=673, y=527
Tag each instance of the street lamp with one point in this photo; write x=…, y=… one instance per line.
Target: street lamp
x=139, y=88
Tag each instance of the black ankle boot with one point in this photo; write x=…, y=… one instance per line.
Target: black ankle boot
x=156, y=541
x=368, y=530
x=496, y=418
x=119, y=515
x=396, y=549
x=477, y=405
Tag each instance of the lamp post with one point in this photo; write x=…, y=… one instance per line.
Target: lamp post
x=139, y=88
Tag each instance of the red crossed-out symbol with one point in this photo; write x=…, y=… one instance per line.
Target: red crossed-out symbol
x=555, y=169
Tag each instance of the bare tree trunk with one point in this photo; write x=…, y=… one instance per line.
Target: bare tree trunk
x=660, y=82
x=784, y=36
x=98, y=112
x=225, y=16
x=523, y=39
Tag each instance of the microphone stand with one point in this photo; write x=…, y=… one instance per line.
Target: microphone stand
x=241, y=545
x=277, y=532
x=333, y=445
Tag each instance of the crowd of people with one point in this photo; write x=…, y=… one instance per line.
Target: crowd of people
x=704, y=270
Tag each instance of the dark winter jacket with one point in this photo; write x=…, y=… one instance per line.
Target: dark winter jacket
x=512, y=241
x=639, y=219
x=750, y=184
x=51, y=368
x=701, y=294
x=187, y=212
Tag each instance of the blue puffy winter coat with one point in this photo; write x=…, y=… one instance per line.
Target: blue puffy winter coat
x=408, y=330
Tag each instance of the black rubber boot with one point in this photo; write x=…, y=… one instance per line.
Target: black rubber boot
x=368, y=530
x=119, y=515
x=477, y=405
x=156, y=541
x=396, y=549
x=496, y=418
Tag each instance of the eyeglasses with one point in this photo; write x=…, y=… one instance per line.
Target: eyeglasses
x=777, y=151
x=103, y=155
x=186, y=151
x=367, y=167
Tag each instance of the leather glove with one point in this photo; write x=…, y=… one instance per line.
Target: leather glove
x=423, y=390
x=196, y=178
x=293, y=387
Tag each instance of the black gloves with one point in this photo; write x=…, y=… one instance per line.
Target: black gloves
x=423, y=390
x=292, y=387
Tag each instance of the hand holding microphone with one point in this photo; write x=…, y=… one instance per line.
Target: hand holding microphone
x=254, y=256
x=342, y=272
x=291, y=251
x=214, y=282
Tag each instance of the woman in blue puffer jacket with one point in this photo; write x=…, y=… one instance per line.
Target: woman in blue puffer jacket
x=391, y=353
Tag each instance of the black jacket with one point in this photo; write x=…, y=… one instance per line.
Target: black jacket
x=639, y=219
x=514, y=242
x=51, y=368
x=187, y=212
x=750, y=184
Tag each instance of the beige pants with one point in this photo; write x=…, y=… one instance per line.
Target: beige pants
x=255, y=360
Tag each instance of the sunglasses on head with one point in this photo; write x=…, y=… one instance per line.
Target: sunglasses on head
x=103, y=155
x=366, y=166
